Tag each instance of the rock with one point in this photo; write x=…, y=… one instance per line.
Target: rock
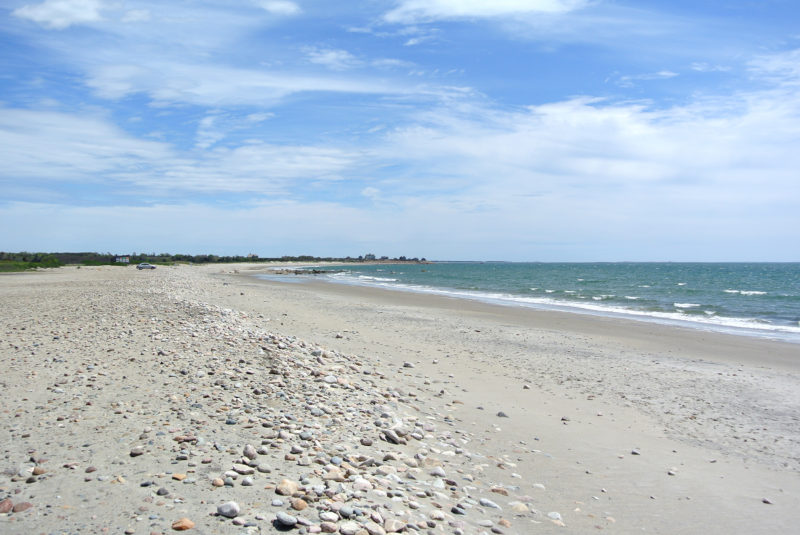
x=349, y=528
x=38, y=470
x=299, y=504
x=287, y=487
x=138, y=450
x=763, y=500
x=635, y=452
x=178, y=477
x=285, y=520
x=6, y=506
x=554, y=516
x=22, y=506
x=328, y=516
x=243, y=469
x=488, y=503
x=250, y=452
x=520, y=508
x=182, y=525
x=329, y=527
x=408, y=364
x=501, y=414
x=247, y=481
x=230, y=509
x=393, y=525
x=217, y=482
x=374, y=529
x=438, y=472
x=362, y=484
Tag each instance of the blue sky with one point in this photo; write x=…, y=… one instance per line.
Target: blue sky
x=553, y=130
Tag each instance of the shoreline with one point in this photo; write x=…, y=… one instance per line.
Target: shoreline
x=562, y=422
x=724, y=325
x=782, y=353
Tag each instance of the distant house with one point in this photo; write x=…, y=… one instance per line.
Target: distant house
x=369, y=257
x=123, y=260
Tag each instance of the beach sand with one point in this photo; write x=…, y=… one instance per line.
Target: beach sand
x=128, y=395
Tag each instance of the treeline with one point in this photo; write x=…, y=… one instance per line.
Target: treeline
x=26, y=260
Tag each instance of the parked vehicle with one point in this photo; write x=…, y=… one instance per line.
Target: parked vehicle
x=145, y=265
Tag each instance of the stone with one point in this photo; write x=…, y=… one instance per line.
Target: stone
x=349, y=528
x=38, y=470
x=229, y=509
x=374, y=529
x=250, y=452
x=329, y=527
x=178, y=477
x=285, y=520
x=520, y=508
x=488, y=503
x=243, y=469
x=287, y=487
x=138, y=450
x=22, y=506
x=217, y=482
x=247, y=481
x=299, y=504
x=6, y=506
x=182, y=525
x=393, y=525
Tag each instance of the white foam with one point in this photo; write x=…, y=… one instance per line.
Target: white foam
x=709, y=321
x=745, y=292
x=632, y=297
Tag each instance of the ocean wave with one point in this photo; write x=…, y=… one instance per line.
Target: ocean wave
x=707, y=319
x=377, y=279
x=603, y=297
x=745, y=292
x=632, y=297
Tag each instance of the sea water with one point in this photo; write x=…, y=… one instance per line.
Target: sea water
x=761, y=299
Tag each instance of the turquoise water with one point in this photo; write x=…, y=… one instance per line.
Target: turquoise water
x=760, y=298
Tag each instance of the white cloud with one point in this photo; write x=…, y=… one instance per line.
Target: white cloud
x=60, y=14
x=216, y=85
x=337, y=60
x=51, y=147
x=136, y=15
x=280, y=7
x=629, y=79
x=55, y=146
x=411, y=11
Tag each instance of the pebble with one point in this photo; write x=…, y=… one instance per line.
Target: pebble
x=182, y=525
x=136, y=451
x=489, y=503
x=287, y=487
x=229, y=509
x=286, y=520
x=6, y=506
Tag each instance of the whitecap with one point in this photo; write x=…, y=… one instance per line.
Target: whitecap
x=632, y=297
x=686, y=305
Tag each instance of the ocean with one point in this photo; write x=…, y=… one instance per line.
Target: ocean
x=758, y=299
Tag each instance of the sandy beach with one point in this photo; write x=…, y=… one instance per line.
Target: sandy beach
x=200, y=398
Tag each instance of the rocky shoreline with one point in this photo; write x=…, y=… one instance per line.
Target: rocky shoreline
x=133, y=406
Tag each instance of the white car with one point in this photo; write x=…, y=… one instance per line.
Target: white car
x=145, y=265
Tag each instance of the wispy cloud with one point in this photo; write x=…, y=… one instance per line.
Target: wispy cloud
x=412, y=11
x=60, y=14
x=280, y=7
x=337, y=60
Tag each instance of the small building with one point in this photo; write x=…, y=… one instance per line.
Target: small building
x=123, y=260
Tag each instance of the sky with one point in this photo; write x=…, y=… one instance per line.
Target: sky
x=521, y=130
